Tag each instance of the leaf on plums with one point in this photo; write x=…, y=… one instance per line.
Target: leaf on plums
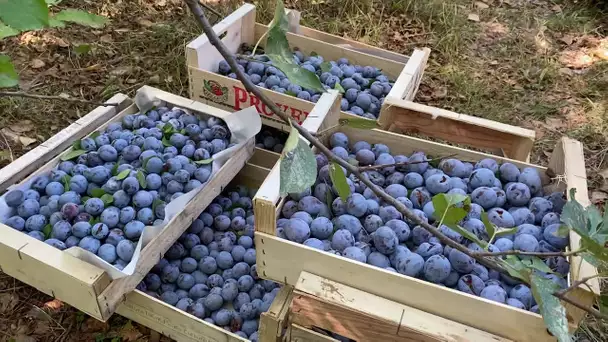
x=325, y=66
x=166, y=142
x=123, y=174
x=515, y=267
x=85, y=198
x=329, y=199
x=338, y=179
x=505, y=231
x=66, y=182
x=97, y=192
x=156, y=203
x=203, y=161
x=145, y=162
x=94, y=135
x=594, y=219
x=114, y=169
x=298, y=168
x=537, y=264
x=141, y=178
x=107, y=199
x=339, y=88
x=76, y=145
x=291, y=93
x=553, y=312
x=490, y=228
x=72, y=154
x=278, y=51
x=467, y=234
x=360, y=123
x=446, y=209
x=314, y=53
x=47, y=231
x=297, y=75
x=562, y=231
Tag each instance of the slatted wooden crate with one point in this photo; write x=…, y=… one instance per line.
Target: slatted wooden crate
x=72, y=280
x=285, y=261
x=240, y=27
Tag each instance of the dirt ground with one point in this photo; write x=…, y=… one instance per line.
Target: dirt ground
x=538, y=64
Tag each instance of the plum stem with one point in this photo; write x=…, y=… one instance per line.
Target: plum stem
x=381, y=166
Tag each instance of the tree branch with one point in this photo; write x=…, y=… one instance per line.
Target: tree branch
x=517, y=252
x=230, y=59
x=382, y=166
x=53, y=97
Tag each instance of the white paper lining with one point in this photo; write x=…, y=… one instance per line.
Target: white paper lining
x=243, y=125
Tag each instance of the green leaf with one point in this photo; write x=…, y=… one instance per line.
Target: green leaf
x=66, y=182
x=166, y=142
x=85, y=198
x=329, y=199
x=156, y=203
x=360, y=123
x=8, y=75
x=24, y=15
x=76, y=145
x=490, y=228
x=107, y=199
x=573, y=213
x=554, y=314
x=82, y=49
x=94, y=135
x=446, y=210
x=594, y=219
x=562, y=231
x=339, y=180
x=298, y=167
x=297, y=75
x=505, y=231
x=515, y=267
x=537, y=264
x=114, y=169
x=98, y=192
x=72, y=154
x=47, y=231
x=339, y=87
x=56, y=23
x=314, y=53
x=141, y=178
x=7, y=31
x=81, y=18
x=52, y=2
x=203, y=161
x=143, y=165
x=603, y=304
x=123, y=174
x=467, y=234
x=597, y=263
x=325, y=66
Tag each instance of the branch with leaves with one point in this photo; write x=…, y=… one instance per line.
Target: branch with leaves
x=450, y=208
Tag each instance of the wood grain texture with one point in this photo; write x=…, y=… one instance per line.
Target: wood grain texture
x=298, y=333
x=273, y=321
x=408, y=117
x=363, y=316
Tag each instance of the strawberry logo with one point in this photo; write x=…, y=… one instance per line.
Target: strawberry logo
x=215, y=91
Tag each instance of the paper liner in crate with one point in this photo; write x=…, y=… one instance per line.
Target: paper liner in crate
x=243, y=125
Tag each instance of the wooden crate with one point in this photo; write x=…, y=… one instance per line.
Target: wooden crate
x=284, y=261
x=399, y=114
x=72, y=280
x=324, y=115
x=240, y=27
x=183, y=327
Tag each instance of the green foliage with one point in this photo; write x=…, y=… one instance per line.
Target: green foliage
x=72, y=154
x=123, y=174
x=98, y=192
x=204, y=161
x=107, y=199
x=278, y=50
x=24, y=15
x=47, y=231
x=360, y=123
x=554, y=314
x=450, y=209
x=339, y=180
x=7, y=31
x=81, y=18
x=8, y=75
x=298, y=169
x=141, y=178
x=82, y=49
x=515, y=267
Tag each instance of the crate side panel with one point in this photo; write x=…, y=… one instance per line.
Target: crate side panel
x=283, y=261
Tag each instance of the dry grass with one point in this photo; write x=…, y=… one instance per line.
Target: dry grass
x=539, y=64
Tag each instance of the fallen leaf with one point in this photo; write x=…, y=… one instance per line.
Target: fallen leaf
x=54, y=304
x=107, y=38
x=154, y=79
x=169, y=79
x=22, y=126
x=62, y=42
x=26, y=141
x=24, y=338
x=556, y=8
x=122, y=70
x=8, y=301
x=145, y=23
x=129, y=333
x=567, y=39
x=93, y=325
x=131, y=81
x=38, y=314
x=554, y=124
x=481, y=5
x=37, y=63
x=598, y=196
x=473, y=17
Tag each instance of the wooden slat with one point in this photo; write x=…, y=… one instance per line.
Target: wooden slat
x=362, y=316
x=172, y=322
x=298, y=333
x=113, y=295
x=406, y=85
x=274, y=320
x=263, y=157
x=409, y=117
x=37, y=157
